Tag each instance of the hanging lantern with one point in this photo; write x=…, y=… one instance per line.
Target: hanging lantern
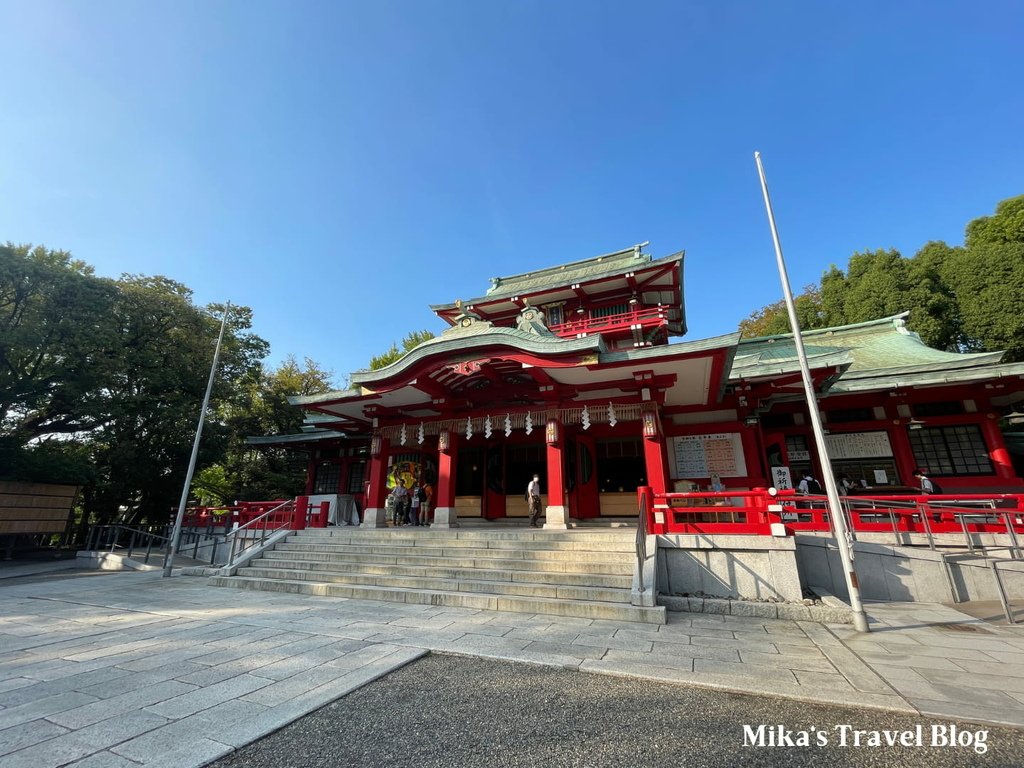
x=551, y=431
x=402, y=437
x=487, y=427
x=529, y=422
x=444, y=440
x=650, y=419
x=585, y=418
x=508, y=424
x=375, y=445
x=469, y=428
x=419, y=434
x=612, y=421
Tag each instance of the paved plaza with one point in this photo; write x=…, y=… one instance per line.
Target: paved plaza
x=127, y=669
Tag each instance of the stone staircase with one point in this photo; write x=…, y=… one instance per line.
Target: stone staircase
x=579, y=573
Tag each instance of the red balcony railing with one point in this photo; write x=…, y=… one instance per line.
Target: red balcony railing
x=753, y=512
x=642, y=318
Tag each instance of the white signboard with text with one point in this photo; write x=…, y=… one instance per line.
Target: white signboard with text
x=705, y=455
x=858, y=445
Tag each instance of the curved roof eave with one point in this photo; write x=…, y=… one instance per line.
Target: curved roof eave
x=494, y=337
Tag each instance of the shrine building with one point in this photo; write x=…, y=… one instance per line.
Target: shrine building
x=578, y=373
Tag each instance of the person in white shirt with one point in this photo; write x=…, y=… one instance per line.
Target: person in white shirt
x=809, y=486
x=533, y=498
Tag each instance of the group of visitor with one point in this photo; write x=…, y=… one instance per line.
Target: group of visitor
x=809, y=486
x=410, y=506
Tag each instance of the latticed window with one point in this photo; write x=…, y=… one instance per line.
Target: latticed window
x=328, y=475
x=951, y=450
x=614, y=309
x=356, y=476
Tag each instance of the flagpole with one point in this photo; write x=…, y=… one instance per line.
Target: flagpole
x=838, y=518
x=176, y=535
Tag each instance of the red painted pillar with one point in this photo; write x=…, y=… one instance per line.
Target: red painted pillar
x=555, y=478
x=445, y=515
x=654, y=452
x=997, y=450
x=903, y=454
x=556, y=515
x=299, y=513
x=377, y=490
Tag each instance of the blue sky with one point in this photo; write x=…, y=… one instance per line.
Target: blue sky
x=338, y=166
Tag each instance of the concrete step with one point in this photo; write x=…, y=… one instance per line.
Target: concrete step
x=523, y=589
x=449, y=541
x=461, y=534
x=354, y=560
x=562, y=578
x=457, y=552
x=587, y=609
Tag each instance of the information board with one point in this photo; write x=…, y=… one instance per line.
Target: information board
x=858, y=445
x=705, y=455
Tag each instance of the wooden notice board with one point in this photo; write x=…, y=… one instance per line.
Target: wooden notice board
x=35, y=507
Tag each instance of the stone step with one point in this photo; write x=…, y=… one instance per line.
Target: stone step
x=586, y=609
x=457, y=552
x=461, y=534
x=431, y=542
x=298, y=552
x=562, y=578
x=523, y=589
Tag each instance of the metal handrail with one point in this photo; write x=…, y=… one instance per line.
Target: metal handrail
x=641, y=540
x=265, y=531
x=111, y=534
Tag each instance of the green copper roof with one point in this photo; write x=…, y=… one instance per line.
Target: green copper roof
x=608, y=265
x=876, y=350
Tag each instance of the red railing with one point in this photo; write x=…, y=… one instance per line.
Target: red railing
x=646, y=317
x=228, y=515
x=754, y=512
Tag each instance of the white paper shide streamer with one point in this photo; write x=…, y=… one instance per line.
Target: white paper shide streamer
x=508, y=424
x=529, y=422
x=469, y=428
x=402, y=435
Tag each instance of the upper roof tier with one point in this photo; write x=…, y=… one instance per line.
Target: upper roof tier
x=590, y=283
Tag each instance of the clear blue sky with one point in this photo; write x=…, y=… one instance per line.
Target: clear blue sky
x=337, y=166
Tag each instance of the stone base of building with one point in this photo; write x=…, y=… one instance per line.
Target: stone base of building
x=445, y=517
x=556, y=518
x=375, y=517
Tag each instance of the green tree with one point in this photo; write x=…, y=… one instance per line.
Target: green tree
x=409, y=343
x=773, y=319
x=959, y=298
x=262, y=408
x=58, y=344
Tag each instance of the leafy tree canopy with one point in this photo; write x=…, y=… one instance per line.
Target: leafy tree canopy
x=960, y=297
x=409, y=343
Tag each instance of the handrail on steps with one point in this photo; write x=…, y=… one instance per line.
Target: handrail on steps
x=265, y=532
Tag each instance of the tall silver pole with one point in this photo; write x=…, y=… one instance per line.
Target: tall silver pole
x=860, y=620
x=176, y=536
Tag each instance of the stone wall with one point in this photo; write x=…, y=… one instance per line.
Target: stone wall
x=745, y=567
x=898, y=573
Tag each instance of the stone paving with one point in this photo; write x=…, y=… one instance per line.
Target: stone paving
x=131, y=669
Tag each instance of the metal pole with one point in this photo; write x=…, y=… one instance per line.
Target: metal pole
x=860, y=619
x=176, y=535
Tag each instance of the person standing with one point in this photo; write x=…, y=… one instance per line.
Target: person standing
x=533, y=499
x=809, y=486
x=428, y=502
x=928, y=486
x=400, y=496
x=415, y=501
